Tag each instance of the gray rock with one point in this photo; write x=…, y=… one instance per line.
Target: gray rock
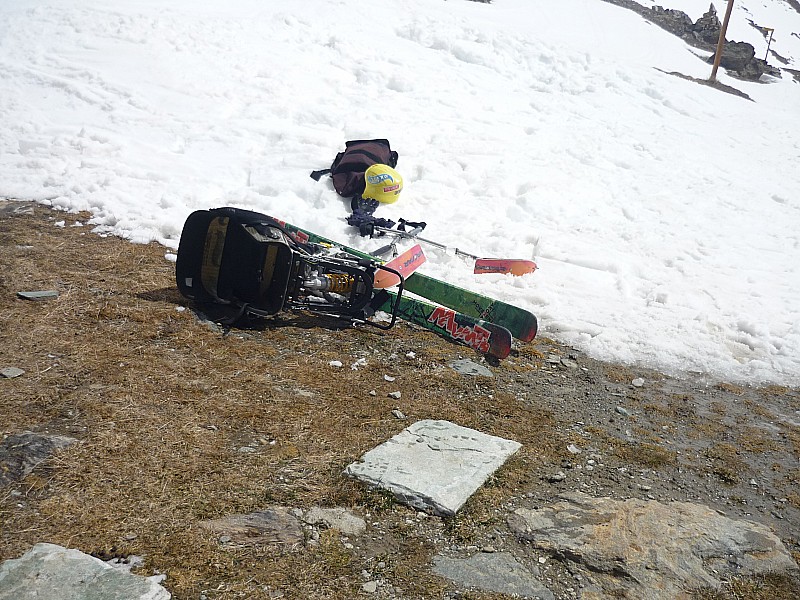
x=648, y=550
x=738, y=57
x=19, y=454
x=273, y=526
x=50, y=572
x=11, y=372
x=707, y=28
x=16, y=207
x=497, y=572
x=370, y=587
x=468, y=367
x=38, y=295
x=337, y=518
x=434, y=466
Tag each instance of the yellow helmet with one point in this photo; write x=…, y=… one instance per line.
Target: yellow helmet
x=383, y=184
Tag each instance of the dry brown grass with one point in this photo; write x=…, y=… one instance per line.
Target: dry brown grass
x=162, y=403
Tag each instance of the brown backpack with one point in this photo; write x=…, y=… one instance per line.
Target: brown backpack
x=347, y=170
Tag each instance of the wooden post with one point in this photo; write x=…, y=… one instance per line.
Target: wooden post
x=771, y=31
x=721, y=41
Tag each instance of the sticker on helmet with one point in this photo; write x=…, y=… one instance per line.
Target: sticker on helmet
x=376, y=179
x=391, y=188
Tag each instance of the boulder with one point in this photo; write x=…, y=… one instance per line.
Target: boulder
x=648, y=550
x=51, y=572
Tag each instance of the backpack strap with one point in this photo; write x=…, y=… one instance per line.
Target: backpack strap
x=317, y=175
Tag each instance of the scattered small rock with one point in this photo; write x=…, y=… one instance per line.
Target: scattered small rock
x=468, y=367
x=389, y=378
x=569, y=363
x=638, y=382
x=11, y=372
x=370, y=587
x=398, y=413
x=336, y=364
x=395, y=395
x=38, y=295
x=573, y=449
x=623, y=411
x=556, y=477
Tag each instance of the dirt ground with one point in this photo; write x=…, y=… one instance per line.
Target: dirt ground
x=163, y=405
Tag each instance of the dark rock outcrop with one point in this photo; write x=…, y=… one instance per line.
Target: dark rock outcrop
x=738, y=58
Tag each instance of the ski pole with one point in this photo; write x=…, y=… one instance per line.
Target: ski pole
x=413, y=234
x=513, y=266
x=393, y=246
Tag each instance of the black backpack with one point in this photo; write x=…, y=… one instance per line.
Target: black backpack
x=237, y=263
x=235, y=257
x=348, y=168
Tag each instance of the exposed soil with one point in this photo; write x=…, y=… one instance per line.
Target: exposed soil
x=163, y=404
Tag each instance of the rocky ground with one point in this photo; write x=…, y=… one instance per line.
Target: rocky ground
x=179, y=422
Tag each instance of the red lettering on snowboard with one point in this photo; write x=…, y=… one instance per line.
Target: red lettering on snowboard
x=473, y=336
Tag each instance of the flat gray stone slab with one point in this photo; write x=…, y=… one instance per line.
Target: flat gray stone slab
x=433, y=466
x=498, y=572
x=50, y=572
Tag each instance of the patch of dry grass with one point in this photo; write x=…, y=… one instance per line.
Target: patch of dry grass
x=162, y=405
